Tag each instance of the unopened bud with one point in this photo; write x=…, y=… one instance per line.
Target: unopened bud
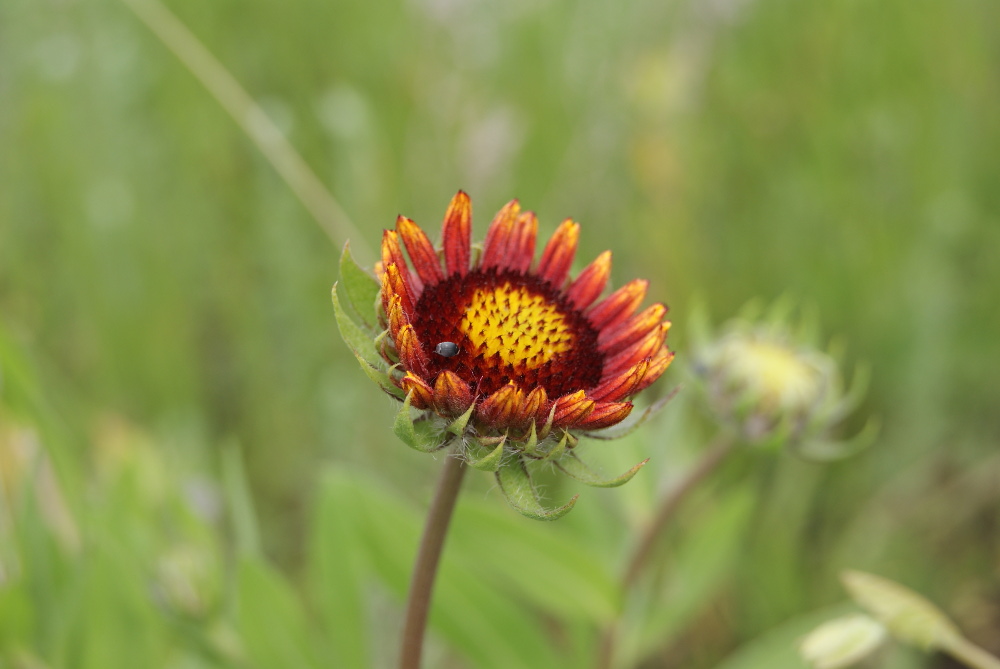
x=909, y=617
x=842, y=642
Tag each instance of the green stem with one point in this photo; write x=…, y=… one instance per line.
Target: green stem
x=972, y=655
x=228, y=92
x=713, y=456
x=425, y=568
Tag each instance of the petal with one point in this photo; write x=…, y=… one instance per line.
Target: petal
x=397, y=318
x=621, y=385
x=423, y=394
x=393, y=283
x=498, y=409
x=456, y=235
x=572, y=408
x=521, y=247
x=452, y=395
x=627, y=333
x=619, y=305
x=392, y=253
x=605, y=414
x=646, y=347
x=532, y=407
x=425, y=258
x=558, y=254
x=657, y=366
x=590, y=284
x=411, y=353
x=498, y=236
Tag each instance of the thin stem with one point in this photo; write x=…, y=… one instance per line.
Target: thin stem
x=972, y=655
x=425, y=568
x=713, y=456
x=251, y=118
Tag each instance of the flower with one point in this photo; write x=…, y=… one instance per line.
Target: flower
x=529, y=345
x=509, y=354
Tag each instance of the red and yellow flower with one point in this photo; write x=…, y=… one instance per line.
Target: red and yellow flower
x=506, y=350
x=533, y=346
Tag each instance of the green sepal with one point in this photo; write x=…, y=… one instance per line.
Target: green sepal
x=653, y=409
x=381, y=378
x=515, y=482
x=458, y=426
x=360, y=289
x=419, y=440
x=531, y=445
x=820, y=450
x=557, y=451
x=360, y=343
x=489, y=462
x=575, y=468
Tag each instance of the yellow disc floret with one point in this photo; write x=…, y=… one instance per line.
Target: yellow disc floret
x=523, y=328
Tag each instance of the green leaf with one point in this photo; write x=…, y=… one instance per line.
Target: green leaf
x=270, y=619
x=515, y=482
x=360, y=289
x=422, y=439
x=241, y=510
x=336, y=571
x=489, y=462
x=575, y=468
x=550, y=567
x=357, y=340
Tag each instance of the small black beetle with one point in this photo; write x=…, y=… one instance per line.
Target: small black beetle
x=446, y=349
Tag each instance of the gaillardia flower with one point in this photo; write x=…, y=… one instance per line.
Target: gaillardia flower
x=507, y=354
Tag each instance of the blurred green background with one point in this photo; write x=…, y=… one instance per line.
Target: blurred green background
x=167, y=341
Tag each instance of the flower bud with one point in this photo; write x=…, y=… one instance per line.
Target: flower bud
x=842, y=642
x=908, y=616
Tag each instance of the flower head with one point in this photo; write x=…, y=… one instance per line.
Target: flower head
x=521, y=344
x=764, y=378
x=510, y=353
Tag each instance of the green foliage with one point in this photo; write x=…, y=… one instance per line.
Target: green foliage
x=194, y=474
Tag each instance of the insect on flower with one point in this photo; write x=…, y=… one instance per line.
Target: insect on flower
x=542, y=357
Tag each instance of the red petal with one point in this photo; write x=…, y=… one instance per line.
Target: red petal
x=657, y=366
x=498, y=236
x=621, y=385
x=498, y=410
x=396, y=316
x=590, y=284
x=456, y=235
x=392, y=252
x=393, y=283
x=605, y=414
x=521, y=247
x=558, y=254
x=531, y=408
x=422, y=253
x=625, y=334
x=411, y=353
x=423, y=394
x=452, y=395
x=572, y=408
x=646, y=347
x=619, y=305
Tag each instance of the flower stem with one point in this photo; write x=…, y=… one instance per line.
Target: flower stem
x=972, y=655
x=425, y=569
x=713, y=456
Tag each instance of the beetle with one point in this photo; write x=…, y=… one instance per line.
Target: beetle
x=447, y=349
